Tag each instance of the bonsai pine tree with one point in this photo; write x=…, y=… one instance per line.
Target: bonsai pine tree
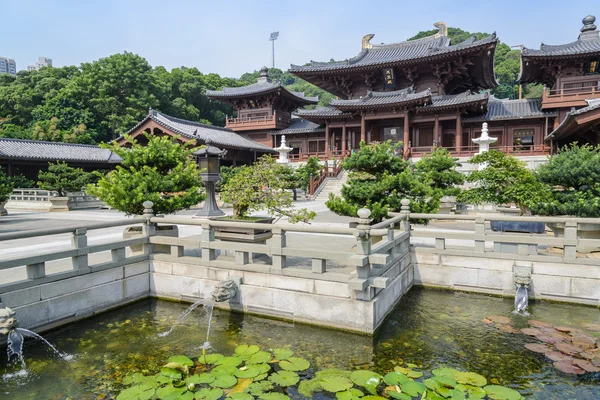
x=63, y=178
x=163, y=171
x=261, y=186
x=378, y=179
x=440, y=169
x=6, y=187
x=312, y=168
x=504, y=180
x=574, y=175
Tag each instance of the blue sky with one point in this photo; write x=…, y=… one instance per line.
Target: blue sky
x=231, y=37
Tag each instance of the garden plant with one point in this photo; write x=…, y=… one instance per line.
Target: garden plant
x=62, y=178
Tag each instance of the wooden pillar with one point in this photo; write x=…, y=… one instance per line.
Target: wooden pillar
x=436, y=131
x=274, y=141
x=343, y=140
x=326, y=139
x=363, y=129
x=406, y=138
x=458, y=136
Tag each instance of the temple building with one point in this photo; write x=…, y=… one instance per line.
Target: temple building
x=571, y=74
x=240, y=148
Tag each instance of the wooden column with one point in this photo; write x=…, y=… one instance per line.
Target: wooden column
x=326, y=139
x=406, y=137
x=458, y=136
x=436, y=131
x=363, y=129
x=343, y=140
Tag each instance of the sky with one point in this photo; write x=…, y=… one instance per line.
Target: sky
x=232, y=37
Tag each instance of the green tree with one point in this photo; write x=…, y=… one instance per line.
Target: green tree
x=440, y=169
x=574, y=175
x=504, y=180
x=62, y=178
x=312, y=167
x=261, y=186
x=6, y=187
x=22, y=182
x=378, y=180
x=163, y=171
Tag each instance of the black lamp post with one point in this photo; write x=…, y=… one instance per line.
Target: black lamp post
x=209, y=161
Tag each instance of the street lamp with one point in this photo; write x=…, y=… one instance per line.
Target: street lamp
x=209, y=161
x=273, y=38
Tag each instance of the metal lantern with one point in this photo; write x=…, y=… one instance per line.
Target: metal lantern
x=209, y=161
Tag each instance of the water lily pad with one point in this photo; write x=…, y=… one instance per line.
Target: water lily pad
x=233, y=360
x=531, y=331
x=364, y=378
x=591, y=327
x=260, y=377
x=350, y=394
x=224, y=370
x=250, y=371
x=285, y=378
x=209, y=394
x=470, y=378
x=283, y=354
x=200, y=379
x=273, y=396
x=183, y=360
x=568, y=367
x=260, y=357
x=445, y=372
x=395, y=378
x=246, y=351
x=446, y=381
x=241, y=396
x=557, y=356
x=170, y=373
x=500, y=319
x=539, y=324
x=567, y=349
x=336, y=384
x=586, y=365
x=139, y=392
x=398, y=395
x=170, y=391
x=496, y=392
x=224, y=381
x=474, y=392
x=175, y=396
x=256, y=388
x=538, y=348
x=373, y=398
x=294, y=364
x=210, y=358
x=413, y=388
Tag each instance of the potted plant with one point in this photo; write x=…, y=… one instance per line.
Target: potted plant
x=258, y=187
x=62, y=178
x=163, y=171
x=6, y=189
x=574, y=175
x=503, y=180
x=439, y=168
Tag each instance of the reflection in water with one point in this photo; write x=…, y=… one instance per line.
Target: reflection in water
x=428, y=328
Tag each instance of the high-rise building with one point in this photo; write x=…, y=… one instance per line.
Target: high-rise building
x=8, y=66
x=41, y=62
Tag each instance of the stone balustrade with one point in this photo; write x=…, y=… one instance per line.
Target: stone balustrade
x=41, y=200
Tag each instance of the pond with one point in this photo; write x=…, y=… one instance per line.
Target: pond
x=429, y=328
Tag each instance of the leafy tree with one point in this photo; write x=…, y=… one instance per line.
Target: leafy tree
x=312, y=168
x=226, y=173
x=22, y=182
x=62, y=178
x=440, y=168
x=504, y=180
x=261, y=186
x=378, y=180
x=574, y=175
x=163, y=172
x=6, y=187
x=14, y=132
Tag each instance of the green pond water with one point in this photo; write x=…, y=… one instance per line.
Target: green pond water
x=429, y=328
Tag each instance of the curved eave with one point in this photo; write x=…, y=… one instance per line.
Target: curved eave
x=434, y=108
x=531, y=64
x=301, y=70
x=576, y=122
x=405, y=103
x=319, y=118
x=230, y=97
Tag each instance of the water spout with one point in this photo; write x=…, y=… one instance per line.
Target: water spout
x=521, y=300
x=208, y=303
x=225, y=290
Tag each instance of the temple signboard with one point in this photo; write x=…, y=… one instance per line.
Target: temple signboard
x=389, y=78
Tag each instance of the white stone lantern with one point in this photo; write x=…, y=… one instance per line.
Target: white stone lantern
x=283, y=150
x=484, y=142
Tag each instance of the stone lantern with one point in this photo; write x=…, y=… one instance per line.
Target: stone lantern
x=484, y=142
x=283, y=150
x=209, y=161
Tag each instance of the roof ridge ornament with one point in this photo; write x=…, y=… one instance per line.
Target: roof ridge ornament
x=263, y=75
x=588, y=31
x=366, y=41
x=442, y=29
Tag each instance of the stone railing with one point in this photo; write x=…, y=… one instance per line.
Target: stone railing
x=41, y=200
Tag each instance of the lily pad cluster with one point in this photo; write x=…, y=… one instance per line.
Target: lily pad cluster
x=251, y=373
x=572, y=350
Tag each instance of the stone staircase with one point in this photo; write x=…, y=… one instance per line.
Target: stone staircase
x=331, y=185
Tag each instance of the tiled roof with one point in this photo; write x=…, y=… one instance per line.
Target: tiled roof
x=578, y=47
x=322, y=112
x=500, y=109
x=258, y=88
x=205, y=133
x=374, y=99
x=301, y=125
x=55, y=151
x=411, y=50
x=569, y=124
x=452, y=101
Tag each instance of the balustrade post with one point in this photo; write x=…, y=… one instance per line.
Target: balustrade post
x=363, y=246
x=79, y=242
x=149, y=227
x=405, y=209
x=35, y=271
x=570, y=246
x=278, y=244
x=206, y=237
x=480, y=235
